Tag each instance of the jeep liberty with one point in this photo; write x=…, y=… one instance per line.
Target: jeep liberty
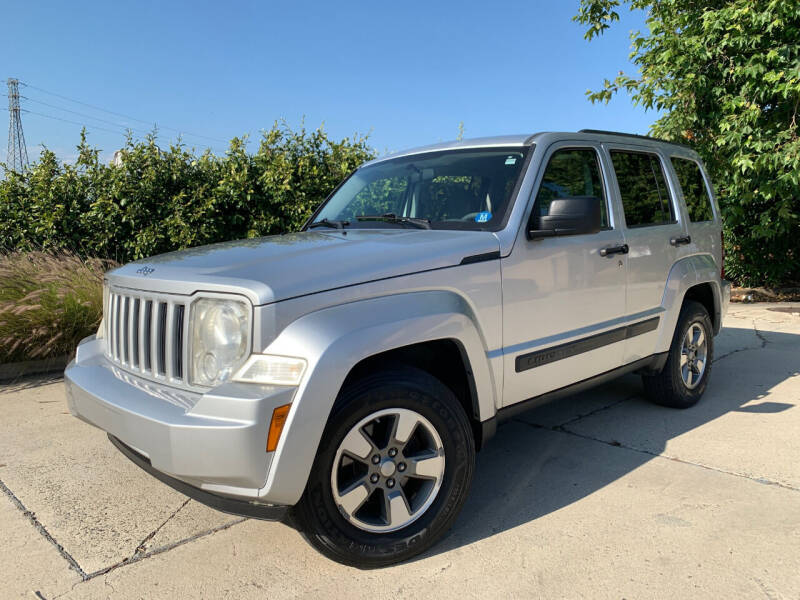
x=344, y=376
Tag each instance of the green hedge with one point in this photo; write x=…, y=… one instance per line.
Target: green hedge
x=164, y=199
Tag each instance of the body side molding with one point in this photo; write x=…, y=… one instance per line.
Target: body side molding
x=587, y=344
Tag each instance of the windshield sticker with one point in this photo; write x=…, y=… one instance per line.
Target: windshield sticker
x=482, y=217
x=511, y=160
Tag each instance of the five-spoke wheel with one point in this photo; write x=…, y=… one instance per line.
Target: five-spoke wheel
x=392, y=471
x=693, y=355
x=388, y=470
x=682, y=381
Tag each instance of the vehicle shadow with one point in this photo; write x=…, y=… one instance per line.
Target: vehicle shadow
x=549, y=458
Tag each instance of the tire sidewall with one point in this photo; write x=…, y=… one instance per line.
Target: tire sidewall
x=691, y=314
x=408, y=389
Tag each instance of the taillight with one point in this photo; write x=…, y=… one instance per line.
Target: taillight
x=722, y=245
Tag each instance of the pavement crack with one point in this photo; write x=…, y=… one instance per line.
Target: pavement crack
x=595, y=411
x=140, y=549
x=764, y=341
x=31, y=516
x=727, y=354
x=759, y=335
x=617, y=444
x=136, y=557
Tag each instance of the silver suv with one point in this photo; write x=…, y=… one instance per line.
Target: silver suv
x=343, y=377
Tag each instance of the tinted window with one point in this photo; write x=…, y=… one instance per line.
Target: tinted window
x=571, y=172
x=698, y=202
x=458, y=189
x=379, y=197
x=643, y=187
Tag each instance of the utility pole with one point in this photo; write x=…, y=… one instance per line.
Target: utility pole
x=17, y=156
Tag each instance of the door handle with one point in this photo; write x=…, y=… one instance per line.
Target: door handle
x=677, y=241
x=614, y=250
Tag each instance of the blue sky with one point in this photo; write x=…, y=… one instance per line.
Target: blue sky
x=405, y=72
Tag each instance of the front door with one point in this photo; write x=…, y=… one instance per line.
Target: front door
x=564, y=297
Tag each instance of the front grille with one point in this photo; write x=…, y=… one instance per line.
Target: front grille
x=146, y=334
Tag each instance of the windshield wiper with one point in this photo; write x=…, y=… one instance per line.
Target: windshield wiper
x=329, y=223
x=393, y=218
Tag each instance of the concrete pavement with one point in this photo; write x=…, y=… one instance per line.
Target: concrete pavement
x=601, y=495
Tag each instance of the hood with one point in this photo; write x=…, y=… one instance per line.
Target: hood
x=279, y=267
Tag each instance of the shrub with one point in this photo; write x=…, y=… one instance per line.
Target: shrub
x=161, y=200
x=49, y=301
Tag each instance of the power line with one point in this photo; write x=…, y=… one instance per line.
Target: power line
x=90, y=127
x=80, y=114
x=38, y=114
x=124, y=116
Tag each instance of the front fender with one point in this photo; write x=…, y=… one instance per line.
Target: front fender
x=334, y=340
x=686, y=273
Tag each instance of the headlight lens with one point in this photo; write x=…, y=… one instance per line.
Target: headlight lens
x=270, y=369
x=220, y=339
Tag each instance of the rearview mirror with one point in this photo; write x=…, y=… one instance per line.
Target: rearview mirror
x=567, y=216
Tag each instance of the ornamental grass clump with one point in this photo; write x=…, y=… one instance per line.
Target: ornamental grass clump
x=49, y=301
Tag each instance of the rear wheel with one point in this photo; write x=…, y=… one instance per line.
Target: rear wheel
x=392, y=471
x=683, y=379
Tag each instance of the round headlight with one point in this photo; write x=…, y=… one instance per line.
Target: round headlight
x=220, y=336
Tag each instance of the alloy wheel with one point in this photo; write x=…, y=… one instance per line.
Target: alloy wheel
x=694, y=354
x=388, y=470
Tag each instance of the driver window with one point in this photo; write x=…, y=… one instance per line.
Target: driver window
x=571, y=172
x=455, y=196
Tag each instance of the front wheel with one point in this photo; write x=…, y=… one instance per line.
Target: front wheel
x=683, y=379
x=392, y=471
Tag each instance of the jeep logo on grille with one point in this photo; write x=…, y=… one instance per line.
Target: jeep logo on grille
x=145, y=271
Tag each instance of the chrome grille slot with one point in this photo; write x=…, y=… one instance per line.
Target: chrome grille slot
x=134, y=333
x=146, y=334
x=178, y=344
x=147, y=363
x=127, y=330
x=161, y=326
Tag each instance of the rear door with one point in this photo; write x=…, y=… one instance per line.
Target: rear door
x=656, y=235
x=695, y=189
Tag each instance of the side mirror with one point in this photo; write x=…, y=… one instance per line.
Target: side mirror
x=568, y=216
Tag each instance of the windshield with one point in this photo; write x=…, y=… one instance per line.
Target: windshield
x=451, y=189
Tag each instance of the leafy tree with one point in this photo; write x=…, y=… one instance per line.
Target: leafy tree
x=726, y=74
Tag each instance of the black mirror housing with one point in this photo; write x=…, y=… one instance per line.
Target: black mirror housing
x=568, y=216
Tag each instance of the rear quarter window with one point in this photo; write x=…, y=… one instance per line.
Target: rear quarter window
x=643, y=188
x=695, y=192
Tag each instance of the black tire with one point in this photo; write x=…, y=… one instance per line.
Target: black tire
x=668, y=387
x=317, y=515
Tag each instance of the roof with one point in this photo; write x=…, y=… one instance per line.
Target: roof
x=498, y=141
x=526, y=139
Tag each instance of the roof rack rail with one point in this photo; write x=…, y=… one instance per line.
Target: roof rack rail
x=634, y=135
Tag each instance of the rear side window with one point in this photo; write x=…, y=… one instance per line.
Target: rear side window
x=643, y=188
x=571, y=172
x=695, y=192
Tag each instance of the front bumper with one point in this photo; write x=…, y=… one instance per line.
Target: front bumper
x=214, y=441
x=234, y=506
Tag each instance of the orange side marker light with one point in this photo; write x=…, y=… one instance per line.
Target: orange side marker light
x=276, y=426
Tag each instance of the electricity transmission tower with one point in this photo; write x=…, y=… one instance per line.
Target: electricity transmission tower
x=17, y=157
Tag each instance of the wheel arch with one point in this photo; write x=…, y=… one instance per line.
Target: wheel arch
x=341, y=341
x=447, y=360
x=694, y=277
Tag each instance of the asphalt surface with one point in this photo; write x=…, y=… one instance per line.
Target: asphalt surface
x=601, y=495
